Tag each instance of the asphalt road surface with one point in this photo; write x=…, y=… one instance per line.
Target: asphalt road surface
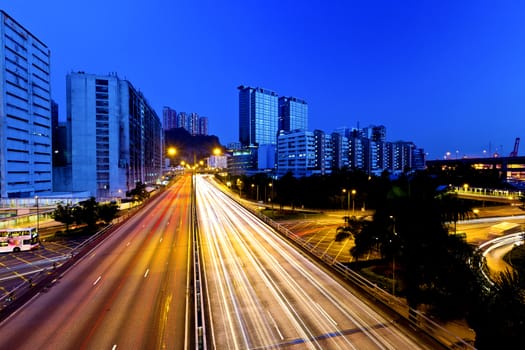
x=128, y=293
x=264, y=294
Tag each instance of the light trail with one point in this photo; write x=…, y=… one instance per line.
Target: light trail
x=252, y=273
x=130, y=291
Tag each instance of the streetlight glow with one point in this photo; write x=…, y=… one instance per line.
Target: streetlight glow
x=172, y=151
x=348, y=203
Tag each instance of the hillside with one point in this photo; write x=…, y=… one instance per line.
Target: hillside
x=188, y=145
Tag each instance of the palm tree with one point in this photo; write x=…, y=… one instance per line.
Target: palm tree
x=453, y=208
x=409, y=226
x=352, y=227
x=497, y=318
x=522, y=201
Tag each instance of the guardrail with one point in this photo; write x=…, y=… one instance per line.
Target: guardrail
x=416, y=318
x=488, y=193
x=198, y=295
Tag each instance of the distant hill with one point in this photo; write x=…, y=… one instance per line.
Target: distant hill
x=188, y=145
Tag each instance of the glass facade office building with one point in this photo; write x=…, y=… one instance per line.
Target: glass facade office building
x=293, y=114
x=258, y=116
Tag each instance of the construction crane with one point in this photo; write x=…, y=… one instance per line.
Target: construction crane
x=514, y=152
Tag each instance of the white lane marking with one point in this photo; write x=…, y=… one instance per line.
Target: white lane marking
x=146, y=274
x=275, y=325
x=326, y=314
x=97, y=280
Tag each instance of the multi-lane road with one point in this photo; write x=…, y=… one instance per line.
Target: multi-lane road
x=264, y=294
x=128, y=293
x=134, y=290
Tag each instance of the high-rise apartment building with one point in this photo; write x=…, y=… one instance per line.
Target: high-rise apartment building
x=169, y=118
x=340, y=148
x=258, y=116
x=182, y=120
x=357, y=145
x=115, y=135
x=203, y=126
x=293, y=114
x=401, y=155
x=375, y=155
x=324, y=152
x=193, y=124
x=25, y=112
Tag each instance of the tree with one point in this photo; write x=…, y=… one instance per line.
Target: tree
x=86, y=212
x=497, y=318
x=522, y=201
x=139, y=193
x=353, y=227
x=454, y=208
x=287, y=190
x=64, y=214
x=409, y=226
x=107, y=212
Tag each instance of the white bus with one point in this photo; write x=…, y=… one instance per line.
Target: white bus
x=18, y=239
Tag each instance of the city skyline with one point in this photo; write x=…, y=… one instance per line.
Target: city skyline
x=446, y=76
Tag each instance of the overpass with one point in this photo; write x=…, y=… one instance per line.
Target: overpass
x=488, y=194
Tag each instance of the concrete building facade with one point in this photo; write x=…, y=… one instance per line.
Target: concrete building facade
x=296, y=153
x=115, y=136
x=25, y=112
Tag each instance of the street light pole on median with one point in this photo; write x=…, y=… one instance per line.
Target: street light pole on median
x=37, y=215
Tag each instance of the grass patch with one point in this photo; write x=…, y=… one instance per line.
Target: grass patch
x=378, y=272
x=77, y=232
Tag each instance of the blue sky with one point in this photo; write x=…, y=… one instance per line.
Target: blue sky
x=447, y=75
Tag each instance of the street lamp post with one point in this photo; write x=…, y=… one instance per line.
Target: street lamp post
x=257, y=189
x=394, y=274
x=394, y=258
x=271, y=195
x=348, y=203
x=353, y=202
x=239, y=184
x=37, y=215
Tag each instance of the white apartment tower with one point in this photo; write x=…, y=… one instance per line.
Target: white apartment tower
x=25, y=112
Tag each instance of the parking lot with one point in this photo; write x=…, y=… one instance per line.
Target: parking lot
x=319, y=230
x=19, y=268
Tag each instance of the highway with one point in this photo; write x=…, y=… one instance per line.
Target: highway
x=128, y=293
x=495, y=250
x=264, y=294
